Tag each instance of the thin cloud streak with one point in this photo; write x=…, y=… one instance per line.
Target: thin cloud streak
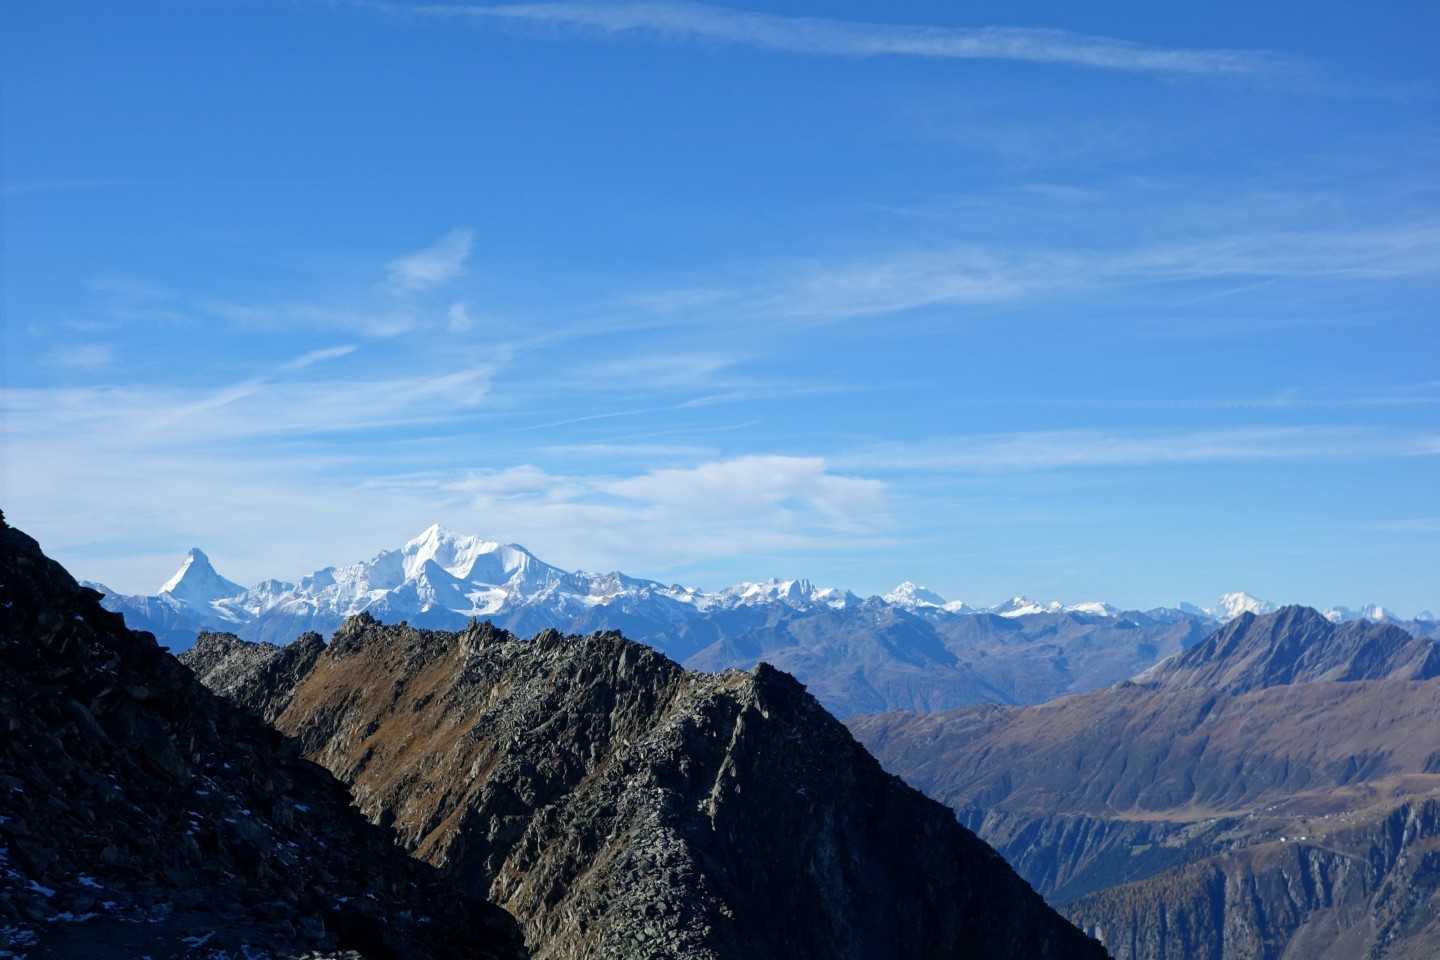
x=1411, y=525
x=809, y=35
x=1095, y=449
x=821, y=292
x=155, y=418
x=320, y=356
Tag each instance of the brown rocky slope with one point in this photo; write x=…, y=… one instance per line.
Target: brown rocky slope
x=620, y=806
x=141, y=815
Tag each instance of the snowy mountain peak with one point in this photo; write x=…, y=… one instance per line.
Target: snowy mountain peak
x=1095, y=608
x=797, y=594
x=1022, y=606
x=786, y=590
x=1231, y=605
x=471, y=558
x=196, y=582
x=909, y=595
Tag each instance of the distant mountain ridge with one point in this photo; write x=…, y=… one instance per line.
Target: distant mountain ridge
x=1272, y=791
x=441, y=571
x=910, y=649
x=1296, y=645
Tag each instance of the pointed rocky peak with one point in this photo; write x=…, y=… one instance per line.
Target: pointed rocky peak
x=197, y=584
x=1294, y=645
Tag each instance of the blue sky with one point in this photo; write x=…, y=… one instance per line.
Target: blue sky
x=1135, y=302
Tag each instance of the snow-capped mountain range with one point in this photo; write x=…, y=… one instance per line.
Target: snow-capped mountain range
x=909, y=649
x=443, y=575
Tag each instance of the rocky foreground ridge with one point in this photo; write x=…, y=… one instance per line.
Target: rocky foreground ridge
x=620, y=806
x=1270, y=793
x=140, y=815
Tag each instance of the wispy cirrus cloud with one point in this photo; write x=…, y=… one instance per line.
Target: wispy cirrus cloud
x=814, y=291
x=1093, y=448
x=428, y=268
x=812, y=35
x=395, y=306
x=143, y=419
x=320, y=356
x=82, y=356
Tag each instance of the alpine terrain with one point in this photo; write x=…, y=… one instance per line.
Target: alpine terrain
x=140, y=815
x=907, y=650
x=612, y=803
x=1272, y=792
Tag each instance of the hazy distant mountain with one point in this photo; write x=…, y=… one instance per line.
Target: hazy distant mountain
x=1273, y=790
x=910, y=649
x=1296, y=645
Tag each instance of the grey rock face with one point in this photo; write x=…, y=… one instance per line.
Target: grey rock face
x=620, y=806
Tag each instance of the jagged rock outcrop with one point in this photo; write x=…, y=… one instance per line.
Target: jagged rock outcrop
x=620, y=806
x=141, y=815
x=1238, y=801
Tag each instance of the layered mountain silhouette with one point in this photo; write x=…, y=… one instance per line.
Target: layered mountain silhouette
x=1269, y=792
x=614, y=803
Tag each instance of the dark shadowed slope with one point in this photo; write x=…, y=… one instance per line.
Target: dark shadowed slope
x=137, y=809
x=620, y=806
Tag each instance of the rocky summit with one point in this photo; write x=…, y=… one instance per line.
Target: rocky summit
x=620, y=806
x=141, y=815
